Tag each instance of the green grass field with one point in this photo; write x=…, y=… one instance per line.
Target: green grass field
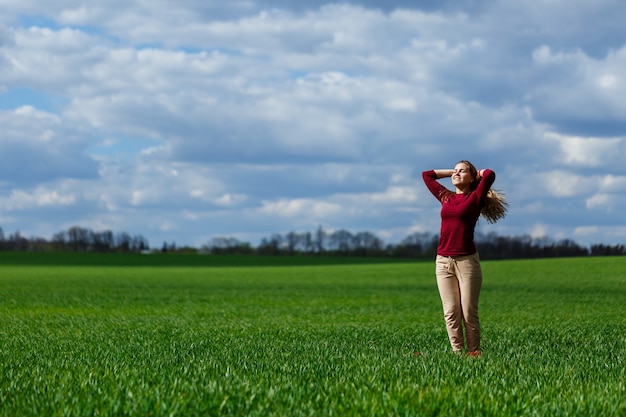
x=105, y=335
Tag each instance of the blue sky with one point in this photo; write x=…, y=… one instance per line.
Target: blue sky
x=184, y=120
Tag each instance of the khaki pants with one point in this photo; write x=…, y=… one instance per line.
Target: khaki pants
x=459, y=280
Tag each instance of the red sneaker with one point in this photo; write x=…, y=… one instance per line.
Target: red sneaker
x=475, y=354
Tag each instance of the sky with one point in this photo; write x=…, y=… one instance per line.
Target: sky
x=186, y=120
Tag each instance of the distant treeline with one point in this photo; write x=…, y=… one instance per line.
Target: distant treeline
x=418, y=245
x=320, y=242
x=75, y=239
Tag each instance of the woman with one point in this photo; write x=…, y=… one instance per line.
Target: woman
x=459, y=275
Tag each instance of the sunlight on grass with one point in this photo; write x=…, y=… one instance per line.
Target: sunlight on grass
x=309, y=340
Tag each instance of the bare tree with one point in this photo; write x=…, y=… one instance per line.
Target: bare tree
x=291, y=241
x=341, y=241
x=320, y=240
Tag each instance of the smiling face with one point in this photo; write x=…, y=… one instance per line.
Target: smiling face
x=462, y=177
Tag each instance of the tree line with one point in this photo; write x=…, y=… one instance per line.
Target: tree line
x=420, y=245
x=417, y=245
x=75, y=239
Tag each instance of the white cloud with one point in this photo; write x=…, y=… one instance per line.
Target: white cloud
x=38, y=146
x=599, y=201
x=614, y=183
x=582, y=88
x=589, y=152
x=539, y=231
x=252, y=117
x=607, y=200
x=38, y=198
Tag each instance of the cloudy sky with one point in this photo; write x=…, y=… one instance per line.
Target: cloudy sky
x=184, y=120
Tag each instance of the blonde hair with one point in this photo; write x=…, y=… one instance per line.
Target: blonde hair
x=496, y=205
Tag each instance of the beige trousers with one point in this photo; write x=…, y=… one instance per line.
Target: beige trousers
x=459, y=280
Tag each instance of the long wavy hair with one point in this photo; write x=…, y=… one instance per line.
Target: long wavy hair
x=496, y=205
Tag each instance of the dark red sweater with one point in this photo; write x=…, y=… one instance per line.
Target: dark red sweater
x=459, y=214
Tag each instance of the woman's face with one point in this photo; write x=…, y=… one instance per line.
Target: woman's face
x=462, y=177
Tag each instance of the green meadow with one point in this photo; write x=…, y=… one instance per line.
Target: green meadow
x=167, y=335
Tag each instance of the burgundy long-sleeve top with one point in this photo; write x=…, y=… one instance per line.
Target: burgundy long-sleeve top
x=459, y=213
